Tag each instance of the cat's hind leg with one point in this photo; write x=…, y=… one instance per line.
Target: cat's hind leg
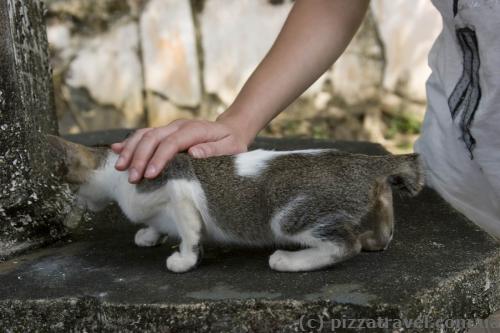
x=330, y=240
x=147, y=237
x=319, y=256
x=378, y=224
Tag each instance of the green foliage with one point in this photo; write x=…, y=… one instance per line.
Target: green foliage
x=402, y=123
x=320, y=131
x=291, y=127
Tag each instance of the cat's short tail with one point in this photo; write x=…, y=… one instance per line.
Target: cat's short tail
x=407, y=174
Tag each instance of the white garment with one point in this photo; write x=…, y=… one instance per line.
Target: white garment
x=465, y=63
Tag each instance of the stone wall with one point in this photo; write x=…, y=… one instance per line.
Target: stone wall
x=132, y=63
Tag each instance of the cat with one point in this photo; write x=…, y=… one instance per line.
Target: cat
x=330, y=204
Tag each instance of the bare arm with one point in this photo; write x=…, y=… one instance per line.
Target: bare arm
x=314, y=35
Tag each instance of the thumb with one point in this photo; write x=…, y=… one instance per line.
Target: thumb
x=226, y=146
x=207, y=149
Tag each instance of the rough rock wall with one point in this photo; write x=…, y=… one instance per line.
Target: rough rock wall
x=146, y=62
x=32, y=204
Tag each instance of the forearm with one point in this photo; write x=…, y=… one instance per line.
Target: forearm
x=314, y=35
x=316, y=32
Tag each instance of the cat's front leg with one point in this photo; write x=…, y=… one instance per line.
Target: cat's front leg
x=147, y=237
x=189, y=225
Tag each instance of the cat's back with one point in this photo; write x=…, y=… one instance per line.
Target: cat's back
x=252, y=174
x=252, y=170
x=245, y=190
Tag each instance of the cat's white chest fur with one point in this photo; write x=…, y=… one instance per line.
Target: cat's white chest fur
x=158, y=209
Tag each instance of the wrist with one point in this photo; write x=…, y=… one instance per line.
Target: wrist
x=241, y=125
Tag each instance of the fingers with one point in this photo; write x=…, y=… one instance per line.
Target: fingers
x=185, y=137
x=128, y=148
x=118, y=147
x=142, y=154
x=207, y=149
x=226, y=146
x=145, y=149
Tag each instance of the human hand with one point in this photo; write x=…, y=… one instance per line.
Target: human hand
x=147, y=152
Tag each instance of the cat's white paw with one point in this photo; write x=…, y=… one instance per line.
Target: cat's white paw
x=147, y=237
x=180, y=263
x=282, y=261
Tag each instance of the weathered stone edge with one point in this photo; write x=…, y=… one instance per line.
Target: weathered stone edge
x=92, y=315
x=472, y=294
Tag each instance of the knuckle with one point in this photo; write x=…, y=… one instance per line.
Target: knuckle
x=177, y=121
x=187, y=124
x=170, y=146
x=172, y=141
x=183, y=123
x=151, y=136
x=201, y=128
x=141, y=131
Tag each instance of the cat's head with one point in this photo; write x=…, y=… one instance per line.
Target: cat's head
x=81, y=167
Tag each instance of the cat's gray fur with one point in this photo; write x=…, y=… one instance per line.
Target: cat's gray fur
x=332, y=203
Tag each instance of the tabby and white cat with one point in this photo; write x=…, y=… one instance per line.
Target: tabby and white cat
x=329, y=203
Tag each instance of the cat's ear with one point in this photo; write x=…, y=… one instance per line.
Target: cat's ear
x=75, y=162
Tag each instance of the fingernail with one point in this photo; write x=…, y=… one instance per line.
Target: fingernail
x=196, y=153
x=150, y=171
x=120, y=162
x=133, y=175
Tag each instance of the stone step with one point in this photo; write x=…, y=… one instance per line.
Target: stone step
x=439, y=266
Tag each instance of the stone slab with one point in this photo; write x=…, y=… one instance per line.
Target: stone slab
x=439, y=265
